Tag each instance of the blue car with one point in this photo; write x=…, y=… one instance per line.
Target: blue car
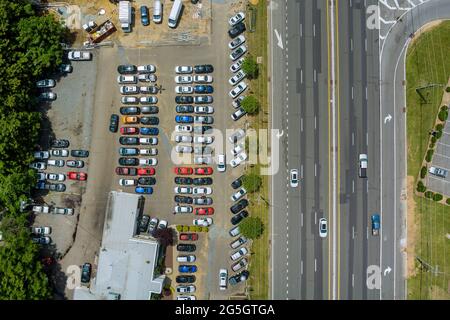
x=144, y=190
x=152, y=131
x=144, y=16
x=184, y=119
x=187, y=269
x=40, y=185
x=203, y=89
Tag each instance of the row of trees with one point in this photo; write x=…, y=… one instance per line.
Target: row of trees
x=30, y=48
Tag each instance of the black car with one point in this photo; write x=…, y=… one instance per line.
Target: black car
x=150, y=120
x=183, y=199
x=184, y=108
x=184, y=99
x=128, y=161
x=79, y=153
x=143, y=224
x=201, y=129
x=185, y=279
x=239, y=217
x=147, y=181
x=183, y=180
x=202, y=181
x=184, y=247
x=130, y=141
x=237, y=183
x=86, y=273
x=239, y=277
x=130, y=111
x=239, y=206
x=60, y=143
x=149, y=109
x=126, y=69
x=204, y=68
x=236, y=30
x=114, y=123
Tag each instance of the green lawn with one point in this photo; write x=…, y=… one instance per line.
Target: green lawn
x=427, y=63
x=259, y=263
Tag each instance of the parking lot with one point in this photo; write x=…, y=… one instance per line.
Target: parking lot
x=441, y=159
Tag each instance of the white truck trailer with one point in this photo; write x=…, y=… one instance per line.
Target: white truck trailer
x=125, y=15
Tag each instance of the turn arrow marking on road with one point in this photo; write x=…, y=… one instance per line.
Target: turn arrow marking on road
x=387, y=271
x=280, y=42
x=387, y=119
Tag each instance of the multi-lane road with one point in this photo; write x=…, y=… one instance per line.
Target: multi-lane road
x=338, y=91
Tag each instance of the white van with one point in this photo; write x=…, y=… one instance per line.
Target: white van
x=157, y=11
x=175, y=13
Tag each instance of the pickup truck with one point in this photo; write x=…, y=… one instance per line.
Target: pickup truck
x=439, y=172
x=363, y=165
x=79, y=55
x=375, y=224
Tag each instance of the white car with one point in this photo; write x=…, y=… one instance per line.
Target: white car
x=205, y=222
x=38, y=165
x=186, y=298
x=202, y=160
x=183, y=128
x=41, y=176
x=148, y=89
x=323, y=228
x=127, y=182
x=238, y=160
x=183, y=138
x=148, y=100
x=148, y=162
x=41, y=230
x=183, y=79
x=56, y=176
x=148, y=68
x=237, y=149
x=41, y=209
x=183, y=69
x=236, y=91
x=237, y=103
x=239, y=113
x=236, y=136
x=79, y=55
x=41, y=155
x=183, y=209
x=239, y=265
x=127, y=79
x=184, y=89
x=203, y=139
x=186, y=289
x=294, y=178
x=188, y=258
x=203, y=109
x=237, y=77
x=152, y=141
x=58, y=210
x=55, y=163
x=129, y=89
x=236, y=42
x=147, y=77
x=238, y=17
x=238, y=52
x=198, y=191
x=203, y=79
x=162, y=224
x=221, y=163
x=129, y=100
x=238, y=254
x=183, y=149
x=239, y=194
x=148, y=151
x=60, y=153
x=223, y=276
x=237, y=65
x=183, y=190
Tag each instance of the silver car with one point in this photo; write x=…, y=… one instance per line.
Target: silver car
x=202, y=160
x=183, y=149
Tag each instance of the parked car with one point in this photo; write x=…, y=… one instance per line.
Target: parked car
x=60, y=143
x=81, y=176
x=184, y=89
x=147, y=68
x=188, y=236
x=147, y=181
x=236, y=30
x=202, y=129
x=184, y=247
x=143, y=190
x=144, y=16
x=126, y=69
x=149, y=109
x=41, y=209
x=185, y=289
x=187, y=268
x=203, y=119
x=236, y=136
x=152, y=141
x=237, y=18
x=439, y=172
x=183, y=138
x=127, y=182
x=205, y=222
x=148, y=100
x=128, y=161
x=114, y=123
x=126, y=171
x=184, y=99
x=203, y=88
x=204, y=68
x=55, y=177
x=183, y=170
x=205, y=159
x=203, y=201
x=238, y=160
x=242, y=276
x=143, y=223
x=223, y=274
x=65, y=211
x=86, y=270
x=239, y=265
x=129, y=89
x=204, y=211
x=182, y=209
x=237, y=183
x=148, y=151
x=188, y=258
x=148, y=89
x=130, y=110
x=236, y=91
x=203, y=99
x=202, y=181
x=184, y=108
x=239, y=194
x=183, y=79
x=239, y=113
x=129, y=100
x=183, y=190
x=146, y=171
x=65, y=68
x=153, y=224
x=75, y=163
x=203, y=171
x=47, y=83
x=148, y=162
x=183, y=199
x=203, y=79
x=235, y=67
x=129, y=140
x=60, y=153
x=162, y=225
x=41, y=240
x=240, y=75
x=152, y=131
x=242, y=204
x=203, y=150
x=77, y=55
x=41, y=155
x=41, y=230
x=147, y=77
x=183, y=69
x=183, y=129
x=233, y=44
x=183, y=180
x=204, y=109
x=238, y=242
x=124, y=79
x=239, y=217
x=185, y=279
x=184, y=119
x=79, y=153
x=239, y=254
x=55, y=163
x=183, y=149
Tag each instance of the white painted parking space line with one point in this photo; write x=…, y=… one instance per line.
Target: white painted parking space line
x=438, y=179
x=441, y=155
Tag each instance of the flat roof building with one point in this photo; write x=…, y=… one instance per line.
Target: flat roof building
x=127, y=260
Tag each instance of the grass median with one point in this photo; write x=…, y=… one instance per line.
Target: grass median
x=427, y=73
x=257, y=46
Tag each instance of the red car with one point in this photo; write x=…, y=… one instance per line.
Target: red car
x=182, y=170
x=129, y=130
x=203, y=171
x=188, y=236
x=126, y=171
x=77, y=175
x=146, y=171
x=204, y=211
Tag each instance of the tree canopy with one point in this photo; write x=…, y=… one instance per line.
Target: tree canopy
x=250, y=67
x=252, y=227
x=250, y=104
x=251, y=182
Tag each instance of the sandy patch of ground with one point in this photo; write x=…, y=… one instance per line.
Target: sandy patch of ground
x=412, y=228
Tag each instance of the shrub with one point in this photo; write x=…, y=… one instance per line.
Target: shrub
x=423, y=172
x=431, y=146
x=443, y=115
x=250, y=104
x=438, y=134
x=444, y=107
x=192, y=228
x=448, y=201
x=429, y=155
x=437, y=197
x=205, y=229
x=429, y=194
x=250, y=67
x=179, y=228
x=433, y=139
x=251, y=182
x=251, y=227
x=185, y=228
x=421, y=187
x=439, y=127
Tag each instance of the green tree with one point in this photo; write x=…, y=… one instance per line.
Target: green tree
x=437, y=197
x=251, y=182
x=250, y=104
x=250, y=67
x=251, y=227
x=423, y=172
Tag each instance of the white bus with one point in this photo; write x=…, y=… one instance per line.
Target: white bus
x=175, y=13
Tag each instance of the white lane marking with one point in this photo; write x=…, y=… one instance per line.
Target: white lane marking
x=301, y=170
x=367, y=233
x=365, y=44
x=315, y=75
x=367, y=187
x=301, y=30
x=353, y=186
x=279, y=40
x=352, y=92
x=367, y=138
x=314, y=30
x=315, y=169
x=301, y=267
x=353, y=232
x=301, y=75
x=351, y=44
x=353, y=138
x=315, y=122
x=302, y=219
x=315, y=217
x=315, y=265
x=353, y=280
x=301, y=124
x=366, y=92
